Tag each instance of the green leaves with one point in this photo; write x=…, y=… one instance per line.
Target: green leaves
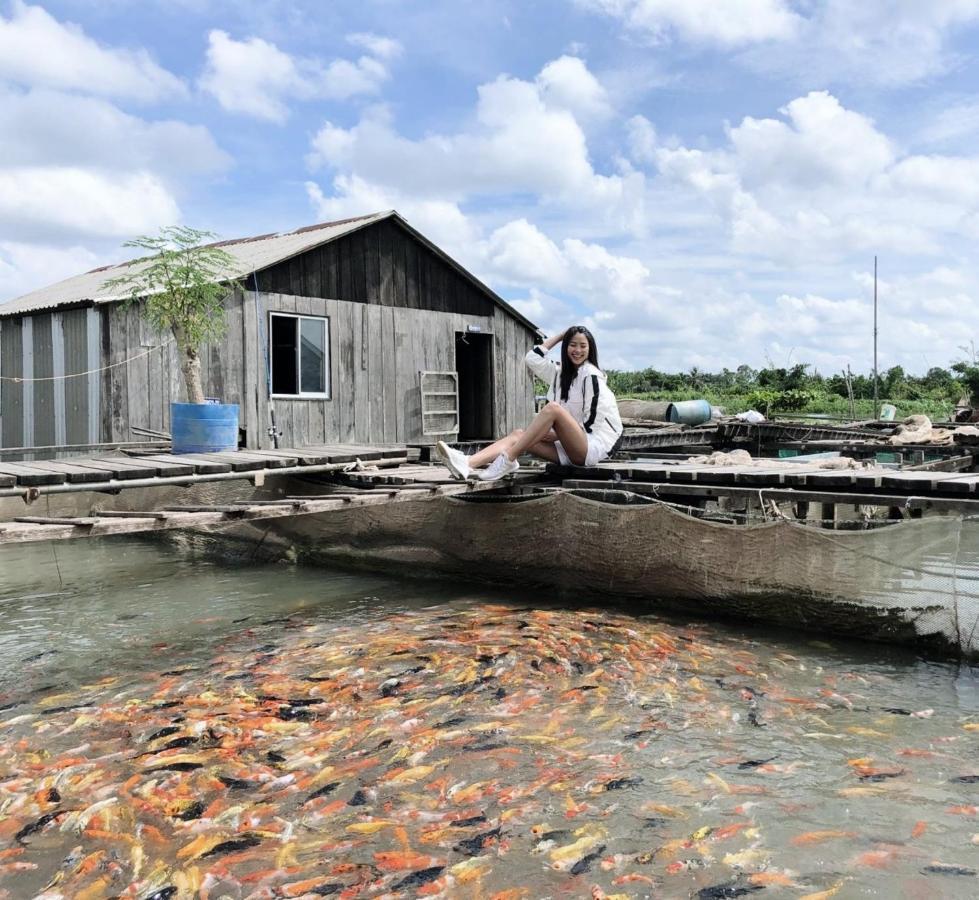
x=181, y=285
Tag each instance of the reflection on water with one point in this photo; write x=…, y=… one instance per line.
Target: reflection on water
x=175, y=727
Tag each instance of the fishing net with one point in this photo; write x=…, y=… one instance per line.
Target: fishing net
x=915, y=582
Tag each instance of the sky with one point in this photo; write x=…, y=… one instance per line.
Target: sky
x=703, y=184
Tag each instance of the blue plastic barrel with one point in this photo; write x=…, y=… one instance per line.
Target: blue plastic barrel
x=690, y=412
x=204, y=427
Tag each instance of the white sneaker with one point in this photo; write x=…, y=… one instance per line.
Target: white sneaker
x=455, y=460
x=497, y=469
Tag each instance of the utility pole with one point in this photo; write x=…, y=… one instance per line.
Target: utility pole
x=876, y=398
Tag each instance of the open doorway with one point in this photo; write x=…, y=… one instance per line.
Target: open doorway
x=474, y=365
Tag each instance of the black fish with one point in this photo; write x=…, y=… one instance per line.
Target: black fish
x=169, y=704
x=37, y=656
x=241, y=676
x=358, y=799
x=242, y=843
x=578, y=667
x=754, y=763
x=472, y=820
x=53, y=796
x=654, y=822
x=414, y=670
x=7, y=706
x=326, y=890
x=292, y=714
x=451, y=723
x=266, y=648
x=389, y=687
x=422, y=876
x=61, y=709
x=36, y=826
x=635, y=735
x=728, y=889
x=322, y=792
x=585, y=863
x=753, y=718
x=485, y=747
x=272, y=756
x=387, y=742
x=560, y=834
x=535, y=665
x=965, y=779
x=474, y=845
x=882, y=776
x=617, y=783
x=164, y=893
x=194, y=811
x=163, y=732
x=490, y=658
x=944, y=869
x=896, y=710
x=179, y=742
x=242, y=619
x=179, y=671
x=500, y=694
x=235, y=784
x=177, y=767
x=274, y=621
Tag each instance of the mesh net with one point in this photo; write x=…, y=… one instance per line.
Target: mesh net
x=914, y=582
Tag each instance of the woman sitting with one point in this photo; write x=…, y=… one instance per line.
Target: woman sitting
x=579, y=426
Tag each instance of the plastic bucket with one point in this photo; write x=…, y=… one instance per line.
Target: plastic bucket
x=887, y=412
x=204, y=427
x=691, y=412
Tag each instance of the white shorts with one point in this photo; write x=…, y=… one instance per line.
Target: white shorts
x=596, y=452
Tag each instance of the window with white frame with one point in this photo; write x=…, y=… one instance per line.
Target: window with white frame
x=300, y=351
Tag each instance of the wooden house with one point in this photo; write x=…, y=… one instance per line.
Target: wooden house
x=347, y=332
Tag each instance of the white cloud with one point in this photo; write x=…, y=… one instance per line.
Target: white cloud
x=566, y=83
x=520, y=144
x=38, y=51
x=824, y=183
x=25, y=266
x=43, y=127
x=729, y=23
x=36, y=203
x=377, y=45
x=957, y=120
x=256, y=78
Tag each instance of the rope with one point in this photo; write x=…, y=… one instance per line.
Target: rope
x=90, y=371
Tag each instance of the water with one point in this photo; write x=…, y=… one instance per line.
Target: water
x=172, y=726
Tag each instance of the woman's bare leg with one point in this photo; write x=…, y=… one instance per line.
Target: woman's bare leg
x=545, y=450
x=485, y=456
x=569, y=433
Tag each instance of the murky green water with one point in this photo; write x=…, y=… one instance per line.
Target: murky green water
x=173, y=727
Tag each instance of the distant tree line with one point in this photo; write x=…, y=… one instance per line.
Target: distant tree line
x=802, y=389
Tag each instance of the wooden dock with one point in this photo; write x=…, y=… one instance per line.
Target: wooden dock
x=108, y=473
x=782, y=481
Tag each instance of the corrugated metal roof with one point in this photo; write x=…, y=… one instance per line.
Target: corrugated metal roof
x=251, y=255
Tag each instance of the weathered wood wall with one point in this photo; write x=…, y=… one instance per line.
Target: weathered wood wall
x=382, y=264
x=376, y=354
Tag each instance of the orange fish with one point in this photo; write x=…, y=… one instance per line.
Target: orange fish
x=818, y=837
x=919, y=829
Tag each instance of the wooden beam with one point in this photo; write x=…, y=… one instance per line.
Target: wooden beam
x=783, y=495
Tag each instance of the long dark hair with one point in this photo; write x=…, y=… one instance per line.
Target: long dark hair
x=568, y=369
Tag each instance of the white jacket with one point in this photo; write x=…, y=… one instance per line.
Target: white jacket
x=589, y=399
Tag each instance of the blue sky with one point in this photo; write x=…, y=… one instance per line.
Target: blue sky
x=705, y=184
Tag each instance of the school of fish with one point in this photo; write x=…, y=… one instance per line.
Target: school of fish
x=483, y=751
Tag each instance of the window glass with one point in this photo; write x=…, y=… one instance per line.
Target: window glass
x=312, y=356
x=284, y=347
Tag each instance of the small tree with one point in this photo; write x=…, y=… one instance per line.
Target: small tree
x=181, y=286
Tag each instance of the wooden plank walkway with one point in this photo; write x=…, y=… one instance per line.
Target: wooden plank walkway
x=26, y=529
x=797, y=476
x=91, y=473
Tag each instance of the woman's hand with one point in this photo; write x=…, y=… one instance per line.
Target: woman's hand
x=554, y=340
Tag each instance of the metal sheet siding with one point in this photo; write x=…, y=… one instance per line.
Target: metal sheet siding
x=75, y=327
x=11, y=392
x=44, y=414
